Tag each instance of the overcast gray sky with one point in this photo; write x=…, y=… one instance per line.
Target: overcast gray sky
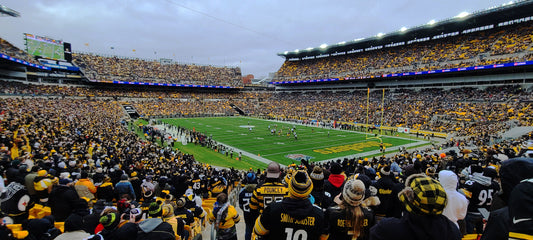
x=245, y=33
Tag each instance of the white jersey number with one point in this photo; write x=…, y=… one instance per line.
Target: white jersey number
x=298, y=235
x=484, y=196
x=268, y=200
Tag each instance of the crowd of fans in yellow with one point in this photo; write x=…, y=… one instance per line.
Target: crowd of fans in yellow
x=12, y=51
x=56, y=140
x=52, y=145
x=462, y=111
x=75, y=144
x=492, y=46
x=102, y=68
x=511, y=44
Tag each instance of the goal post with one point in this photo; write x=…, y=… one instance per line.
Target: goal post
x=375, y=136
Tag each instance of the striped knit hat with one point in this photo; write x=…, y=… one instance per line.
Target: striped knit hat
x=110, y=221
x=154, y=210
x=353, y=192
x=423, y=195
x=300, y=185
x=181, y=202
x=317, y=174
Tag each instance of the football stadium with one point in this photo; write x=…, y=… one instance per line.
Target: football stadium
x=421, y=133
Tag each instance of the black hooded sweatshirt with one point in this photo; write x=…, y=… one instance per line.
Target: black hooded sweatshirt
x=415, y=227
x=62, y=201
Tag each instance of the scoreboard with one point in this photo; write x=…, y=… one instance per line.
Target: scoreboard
x=46, y=47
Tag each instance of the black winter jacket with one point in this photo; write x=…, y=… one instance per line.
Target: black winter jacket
x=62, y=202
x=415, y=227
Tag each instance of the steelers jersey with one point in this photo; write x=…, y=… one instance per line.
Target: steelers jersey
x=268, y=193
x=292, y=219
x=184, y=214
x=342, y=228
x=196, y=185
x=479, y=195
x=218, y=185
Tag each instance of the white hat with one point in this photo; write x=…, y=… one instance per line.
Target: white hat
x=353, y=192
x=72, y=163
x=61, y=165
x=64, y=175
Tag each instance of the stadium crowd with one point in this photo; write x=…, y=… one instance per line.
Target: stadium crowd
x=493, y=46
x=465, y=112
x=150, y=108
x=67, y=154
x=409, y=196
x=79, y=158
x=74, y=168
x=12, y=51
x=459, y=111
x=102, y=68
x=38, y=89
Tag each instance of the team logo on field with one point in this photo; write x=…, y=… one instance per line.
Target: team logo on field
x=298, y=156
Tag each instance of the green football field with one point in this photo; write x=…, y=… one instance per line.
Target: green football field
x=313, y=143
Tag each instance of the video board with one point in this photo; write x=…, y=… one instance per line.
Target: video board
x=44, y=47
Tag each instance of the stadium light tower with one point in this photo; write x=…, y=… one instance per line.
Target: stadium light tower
x=5, y=11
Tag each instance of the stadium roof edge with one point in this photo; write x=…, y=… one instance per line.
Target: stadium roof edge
x=490, y=16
